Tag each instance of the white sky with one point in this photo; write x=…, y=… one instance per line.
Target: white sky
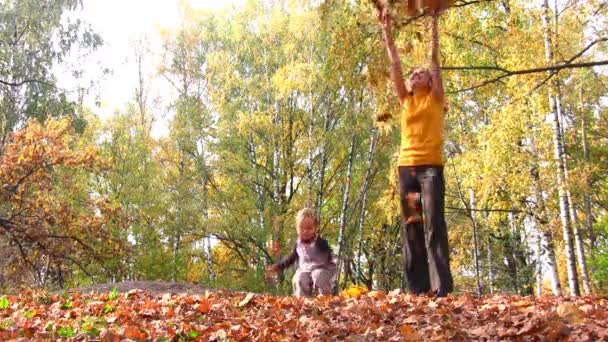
x=120, y=23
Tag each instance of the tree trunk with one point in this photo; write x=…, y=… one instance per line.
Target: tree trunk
x=311, y=164
x=490, y=268
x=541, y=219
x=259, y=196
x=341, y=242
x=546, y=240
x=366, y=181
x=491, y=277
x=178, y=222
x=538, y=256
x=469, y=205
x=475, y=240
x=559, y=161
x=276, y=195
x=140, y=92
x=321, y=189
x=323, y=166
x=552, y=263
x=580, y=248
x=578, y=241
x=207, y=243
x=586, y=197
x=511, y=244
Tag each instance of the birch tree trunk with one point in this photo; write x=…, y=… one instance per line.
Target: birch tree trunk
x=545, y=235
x=323, y=165
x=366, y=181
x=538, y=256
x=490, y=268
x=259, y=196
x=178, y=222
x=559, y=161
x=207, y=243
x=311, y=162
x=491, y=277
x=349, y=170
x=578, y=241
x=586, y=197
x=475, y=240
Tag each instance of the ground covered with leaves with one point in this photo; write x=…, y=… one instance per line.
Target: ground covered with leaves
x=355, y=315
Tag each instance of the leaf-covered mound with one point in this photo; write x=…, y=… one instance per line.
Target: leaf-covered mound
x=354, y=316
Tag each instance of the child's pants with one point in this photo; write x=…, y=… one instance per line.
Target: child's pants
x=320, y=279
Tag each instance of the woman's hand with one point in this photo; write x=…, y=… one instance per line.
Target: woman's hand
x=384, y=17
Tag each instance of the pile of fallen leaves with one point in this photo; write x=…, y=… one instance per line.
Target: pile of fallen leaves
x=356, y=316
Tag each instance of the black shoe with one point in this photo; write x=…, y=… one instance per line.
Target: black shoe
x=441, y=293
x=418, y=292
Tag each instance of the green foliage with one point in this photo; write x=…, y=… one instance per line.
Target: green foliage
x=67, y=305
x=599, y=261
x=66, y=331
x=113, y=294
x=4, y=303
x=37, y=38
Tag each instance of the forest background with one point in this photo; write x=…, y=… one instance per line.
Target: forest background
x=241, y=116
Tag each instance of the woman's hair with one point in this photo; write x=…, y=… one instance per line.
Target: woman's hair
x=419, y=68
x=304, y=213
x=409, y=76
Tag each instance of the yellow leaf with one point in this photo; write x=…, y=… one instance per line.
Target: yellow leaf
x=354, y=291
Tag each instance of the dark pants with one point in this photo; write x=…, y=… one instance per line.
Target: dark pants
x=427, y=263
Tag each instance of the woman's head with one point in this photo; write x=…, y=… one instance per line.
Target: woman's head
x=306, y=224
x=420, y=79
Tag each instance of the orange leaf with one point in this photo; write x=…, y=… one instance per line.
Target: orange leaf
x=409, y=333
x=377, y=294
x=169, y=312
x=133, y=332
x=203, y=307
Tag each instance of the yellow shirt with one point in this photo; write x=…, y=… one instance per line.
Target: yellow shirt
x=422, y=131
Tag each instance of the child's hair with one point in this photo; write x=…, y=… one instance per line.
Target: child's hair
x=304, y=213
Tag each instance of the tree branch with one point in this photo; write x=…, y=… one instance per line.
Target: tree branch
x=487, y=210
x=18, y=84
x=599, y=40
x=507, y=73
x=530, y=71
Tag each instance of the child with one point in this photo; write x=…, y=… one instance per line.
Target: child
x=421, y=167
x=316, y=267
